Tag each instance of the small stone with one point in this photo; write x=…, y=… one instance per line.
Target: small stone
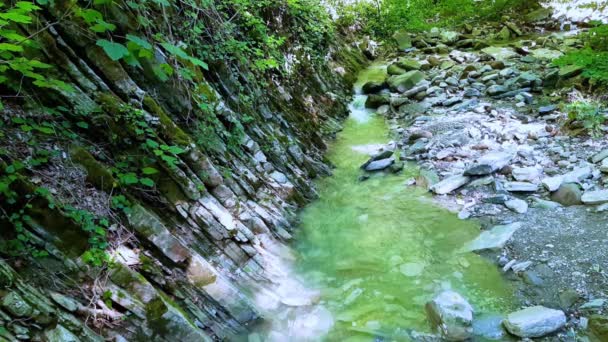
x=517, y=205
x=450, y=184
x=496, y=90
x=595, y=197
x=547, y=109
x=521, y=187
x=16, y=305
x=526, y=173
x=489, y=163
x=600, y=156
x=536, y=321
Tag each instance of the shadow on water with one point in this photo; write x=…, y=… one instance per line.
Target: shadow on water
x=379, y=250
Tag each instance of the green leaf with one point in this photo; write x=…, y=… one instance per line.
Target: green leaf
x=128, y=178
x=175, y=150
x=82, y=124
x=115, y=51
x=149, y=171
x=102, y=26
x=10, y=47
x=141, y=42
x=146, y=182
x=16, y=17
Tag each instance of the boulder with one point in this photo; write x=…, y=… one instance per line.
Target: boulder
x=493, y=239
x=598, y=325
x=374, y=100
x=409, y=64
x=569, y=71
x=450, y=184
x=595, y=197
x=568, y=194
x=534, y=321
x=489, y=163
x=407, y=81
x=552, y=183
x=60, y=334
x=373, y=87
x=500, y=53
x=451, y=315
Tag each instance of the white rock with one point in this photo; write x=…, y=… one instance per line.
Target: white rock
x=450, y=184
x=451, y=315
x=534, y=321
x=595, y=197
x=553, y=183
x=526, y=173
x=517, y=205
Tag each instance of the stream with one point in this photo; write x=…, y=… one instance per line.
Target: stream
x=378, y=250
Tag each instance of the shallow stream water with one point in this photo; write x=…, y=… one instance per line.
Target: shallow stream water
x=378, y=250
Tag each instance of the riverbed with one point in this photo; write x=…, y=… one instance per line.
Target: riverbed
x=378, y=250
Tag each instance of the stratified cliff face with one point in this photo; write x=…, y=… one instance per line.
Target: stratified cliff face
x=149, y=201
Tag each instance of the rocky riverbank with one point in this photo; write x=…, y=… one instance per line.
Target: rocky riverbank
x=481, y=113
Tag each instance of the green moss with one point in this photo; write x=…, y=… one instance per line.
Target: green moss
x=97, y=173
x=169, y=128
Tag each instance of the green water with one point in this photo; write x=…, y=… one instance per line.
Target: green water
x=379, y=250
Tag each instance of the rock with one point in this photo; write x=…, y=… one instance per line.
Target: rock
x=472, y=92
x=521, y=187
x=500, y=53
x=489, y=163
x=604, y=166
x=451, y=315
x=544, y=204
x=493, y=239
x=60, y=334
x=595, y=304
x=547, y=109
x=427, y=178
x=375, y=101
x=402, y=37
x=407, y=81
x=517, y=205
x=409, y=64
x=379, y=164
x=595, y=197
x=373, y=87
x=552, y=183
x=489, y=327
x=540, y=14
x=450, y=184
x=394, y=70
x=534, y=321
x=569, y=71
x=598, y=325
x=449, y=37
x=600, y=156
x=578, y=174
x=525, y=173
x=66, y=302
x=451, y=101
x=514, y=28
x=496, y=90
x=504, y=34
x=546, y=54
x=16, y=305
x=497, y=65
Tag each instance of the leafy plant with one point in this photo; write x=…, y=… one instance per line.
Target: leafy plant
x=14, y=63
x=591, y=114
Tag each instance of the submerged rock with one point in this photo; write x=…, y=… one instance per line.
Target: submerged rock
x=379, y=165
x=495, y=238
x=451, y=315
x=534, y=321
